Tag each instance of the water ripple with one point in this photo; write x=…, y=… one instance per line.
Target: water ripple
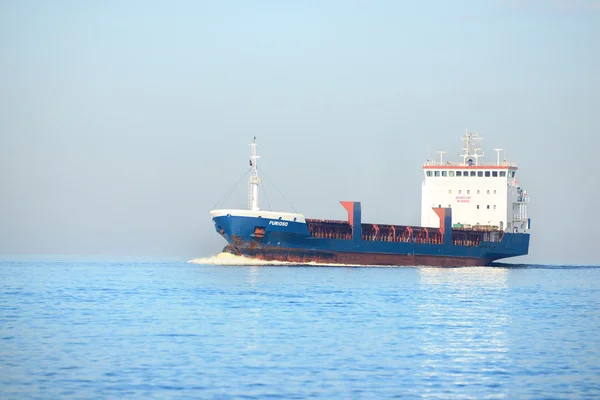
x=185, y=330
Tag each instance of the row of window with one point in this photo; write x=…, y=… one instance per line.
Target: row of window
x=469, y=191
x=481, y=174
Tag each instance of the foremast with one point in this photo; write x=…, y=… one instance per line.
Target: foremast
x=254, y=179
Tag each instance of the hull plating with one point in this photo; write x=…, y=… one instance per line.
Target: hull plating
x=323, y=257
x=293, y=242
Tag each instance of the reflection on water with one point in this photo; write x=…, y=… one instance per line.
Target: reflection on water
x=465, y=327
x=252, y=276
x=254, y=314
x=473, y=276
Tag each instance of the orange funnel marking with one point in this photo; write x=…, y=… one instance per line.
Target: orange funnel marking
x=349, y=206
x=441, y=213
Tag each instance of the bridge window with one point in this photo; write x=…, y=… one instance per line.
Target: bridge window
x=472, y=173
x=478, y=206
x=488, y=192
x=494, y=173
x=444, y=173
x=437, y=173
x=488, y=207
x=429, y=173
x=502, y=173
x=459, y=191
x=458, y=173
x=479, y=173
x=512, y=174
x=487, y=174
x=450, y=173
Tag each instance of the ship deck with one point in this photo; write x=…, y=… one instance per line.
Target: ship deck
x=342, y=230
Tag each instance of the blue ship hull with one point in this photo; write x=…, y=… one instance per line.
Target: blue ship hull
x=293, y=241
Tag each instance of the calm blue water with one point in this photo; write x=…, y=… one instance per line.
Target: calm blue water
x=181, y=330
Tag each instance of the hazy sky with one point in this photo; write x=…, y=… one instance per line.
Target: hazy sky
x=122, y=123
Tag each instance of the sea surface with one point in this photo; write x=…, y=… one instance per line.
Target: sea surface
x=81, y=328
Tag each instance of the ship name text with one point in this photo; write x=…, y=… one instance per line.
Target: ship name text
x=278, y=223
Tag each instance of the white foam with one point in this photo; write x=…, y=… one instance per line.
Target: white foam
x=233, y=260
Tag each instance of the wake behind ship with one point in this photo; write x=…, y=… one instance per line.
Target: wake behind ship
x=472, y=213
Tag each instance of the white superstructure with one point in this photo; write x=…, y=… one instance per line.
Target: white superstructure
x=479, y=193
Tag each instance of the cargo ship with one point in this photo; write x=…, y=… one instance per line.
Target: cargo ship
x=472, y=214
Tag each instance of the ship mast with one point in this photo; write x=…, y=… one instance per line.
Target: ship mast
x=254, y=180
x=470, y=148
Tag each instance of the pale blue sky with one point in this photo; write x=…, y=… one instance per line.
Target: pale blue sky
x=123, y=123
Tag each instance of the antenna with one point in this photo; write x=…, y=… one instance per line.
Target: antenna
x=428, y=152
x=470, y=148
x=475, y=139
x=441, y=153
x=466, y=146
x=498, y=155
